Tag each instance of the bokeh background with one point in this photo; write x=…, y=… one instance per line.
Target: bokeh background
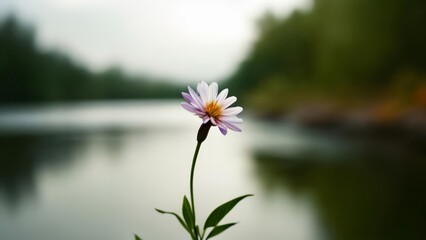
x=93, y=138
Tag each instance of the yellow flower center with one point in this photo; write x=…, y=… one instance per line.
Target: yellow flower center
x=213, y=109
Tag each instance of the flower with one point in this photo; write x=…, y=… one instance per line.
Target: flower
x=211, y=106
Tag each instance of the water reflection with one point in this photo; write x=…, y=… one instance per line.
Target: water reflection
x=24, y=156
x=369, y=194
x=17, y=168
x=65, y=177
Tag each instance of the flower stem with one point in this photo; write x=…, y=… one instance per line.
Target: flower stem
x=194, y=160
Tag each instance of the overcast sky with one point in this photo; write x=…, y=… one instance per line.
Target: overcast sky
x=183, y=39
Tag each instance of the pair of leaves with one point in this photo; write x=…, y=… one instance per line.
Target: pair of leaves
x=218, y=214
x=188, y=220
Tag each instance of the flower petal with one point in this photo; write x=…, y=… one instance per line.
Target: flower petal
x=190, y=108
x=228, y=102
x=232, y=126
x=213, y=88
x=231, y=119
x=223, y=130
x=203, y=90
x=213, y=121
x=187, y=97
x=197, y=100
x=222, y=95
x=220, y=124
x=205, y=119
x=232, y=111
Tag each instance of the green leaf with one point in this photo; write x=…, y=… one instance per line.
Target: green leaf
x=137, y=237
x=219, y=229
x=187, y=213
x=220, y=212
x=178, y=218
x=197, y=228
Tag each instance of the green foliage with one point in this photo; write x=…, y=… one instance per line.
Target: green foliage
x=283, y=47
x=181, y=221
x=219, y=229
x=188, y=215
x=137, y=237
x=220, y=212
x=337, y=49
x=188, y=220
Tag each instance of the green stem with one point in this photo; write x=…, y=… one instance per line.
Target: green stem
x=194, y=160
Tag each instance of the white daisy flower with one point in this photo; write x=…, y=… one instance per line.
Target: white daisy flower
x=211, y=106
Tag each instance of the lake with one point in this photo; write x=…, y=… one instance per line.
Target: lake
x=97, y=170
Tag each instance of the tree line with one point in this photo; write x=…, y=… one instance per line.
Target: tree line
x=29, y=74
x=339, y=50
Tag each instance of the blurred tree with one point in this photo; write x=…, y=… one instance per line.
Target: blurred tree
x=284, y=48
x=29, y=74
x=338, y=50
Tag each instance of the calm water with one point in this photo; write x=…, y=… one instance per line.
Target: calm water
x=98, y=170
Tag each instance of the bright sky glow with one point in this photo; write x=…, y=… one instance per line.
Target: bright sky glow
x=184, y=39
